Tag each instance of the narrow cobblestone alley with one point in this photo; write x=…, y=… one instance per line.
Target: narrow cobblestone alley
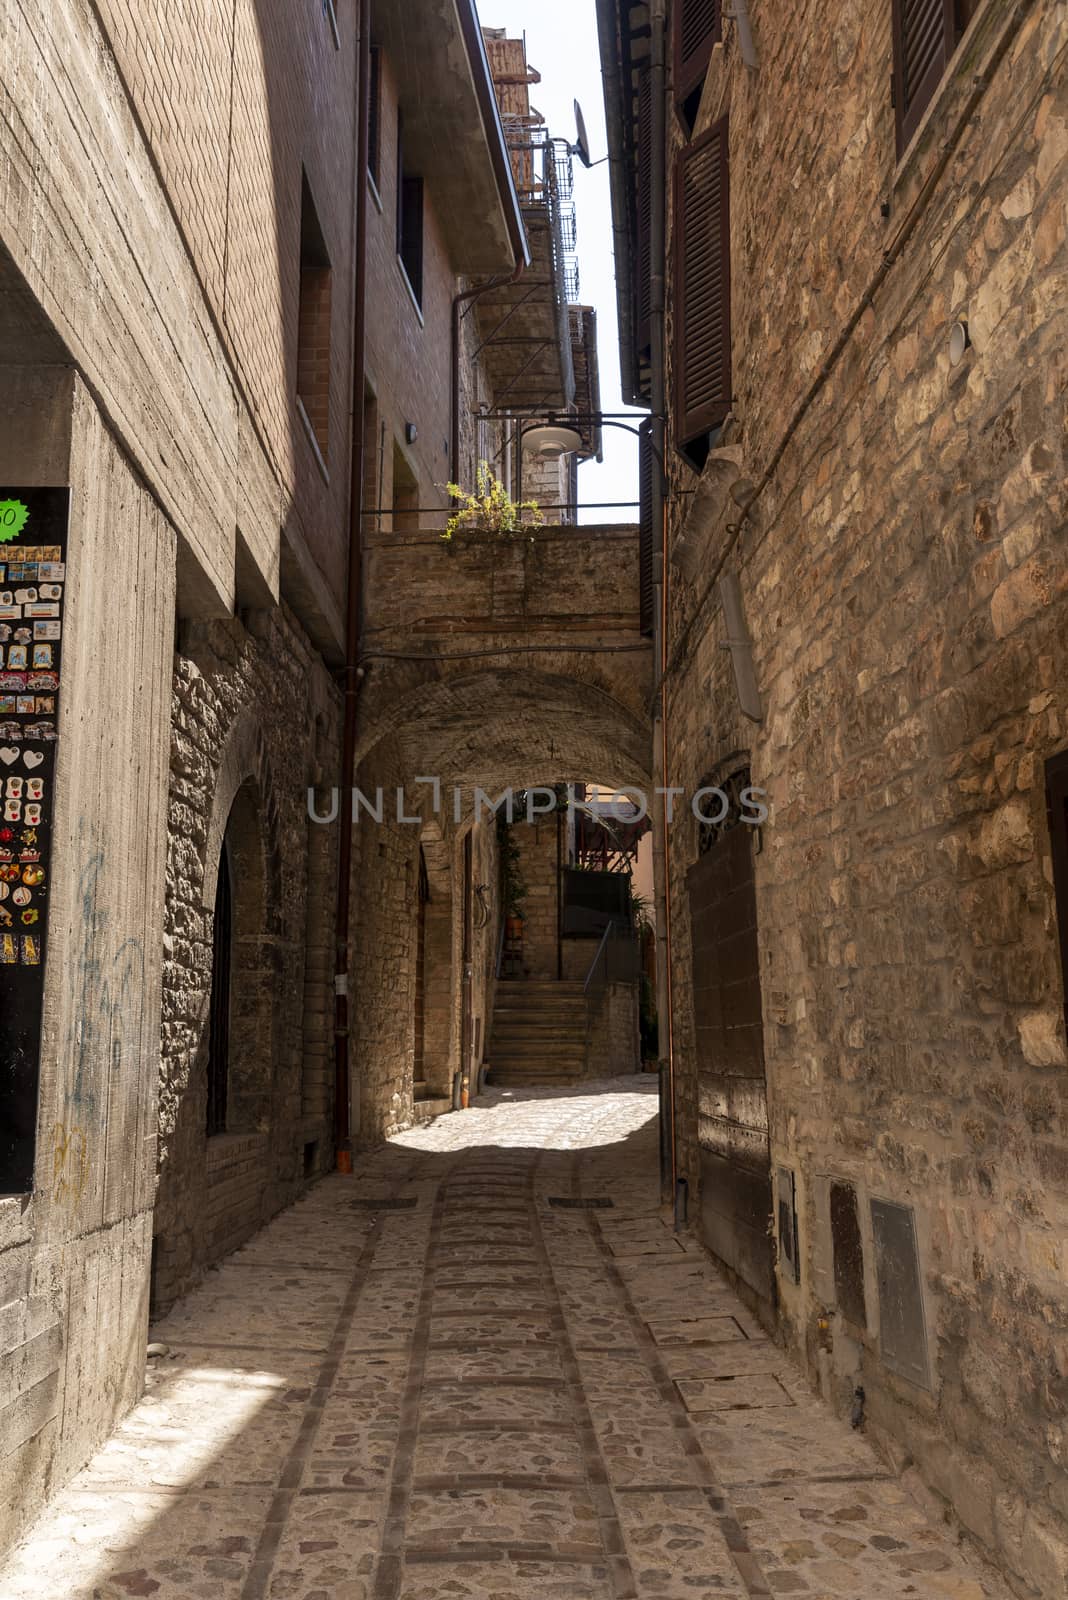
x=448, y=1378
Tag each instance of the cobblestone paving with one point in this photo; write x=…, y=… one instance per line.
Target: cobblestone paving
x=431, y=1382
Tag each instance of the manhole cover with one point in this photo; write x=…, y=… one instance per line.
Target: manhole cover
x=597, y=1202
x=384, y=1205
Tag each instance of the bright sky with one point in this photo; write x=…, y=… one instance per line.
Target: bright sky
x=561, y=40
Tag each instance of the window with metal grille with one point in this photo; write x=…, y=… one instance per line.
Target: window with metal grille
x=926, y=33
x=721, y=816
x=702, y=292
x=697, y=26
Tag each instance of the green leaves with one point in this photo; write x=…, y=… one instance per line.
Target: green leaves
x=490, y=508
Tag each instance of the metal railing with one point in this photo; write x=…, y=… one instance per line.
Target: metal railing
x=544, y=175
x=618, y=960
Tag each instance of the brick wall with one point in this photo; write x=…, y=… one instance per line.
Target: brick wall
x=903, y=577
x=408, y=347
x=235, y=102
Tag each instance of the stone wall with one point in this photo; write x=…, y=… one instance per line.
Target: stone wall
x=255, y=720
x=538, y=844
x=613, y=1047
x=904, y=579
x=386, y=911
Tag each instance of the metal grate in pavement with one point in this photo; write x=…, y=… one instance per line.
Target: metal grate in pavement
x=384, y=1205
x=598, y=1202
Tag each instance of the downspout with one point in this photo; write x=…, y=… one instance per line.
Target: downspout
x=658, y=397
x=615, y=117
x=458, y=303
x=354, y=606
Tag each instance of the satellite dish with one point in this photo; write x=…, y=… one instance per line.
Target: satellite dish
x=581, y=147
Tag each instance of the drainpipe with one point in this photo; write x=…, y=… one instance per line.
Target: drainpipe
x=459, y=302
x=658, y=397
x=354, y=606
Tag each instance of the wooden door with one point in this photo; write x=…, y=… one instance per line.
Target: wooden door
x=736, y=1197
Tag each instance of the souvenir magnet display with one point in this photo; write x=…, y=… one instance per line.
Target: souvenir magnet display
x=33, y=575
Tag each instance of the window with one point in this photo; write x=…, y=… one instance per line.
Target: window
x=1057, y=810
x=219, y=1007
x=698, y=27
x=374, y=116
x=313, y=329
x=409, y=219
x=926, y=33
x=702, y=293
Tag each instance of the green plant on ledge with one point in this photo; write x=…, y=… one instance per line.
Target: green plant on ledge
x=490, y=508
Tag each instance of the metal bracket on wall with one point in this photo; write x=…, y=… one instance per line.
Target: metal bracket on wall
x=737, y=11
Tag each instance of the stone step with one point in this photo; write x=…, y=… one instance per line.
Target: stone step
x=554, y=1063
x=562, y=984
x=522, y=1080
x=543, y=1030
x=426, y=1110
x=541, y=1008
x=570, y=1016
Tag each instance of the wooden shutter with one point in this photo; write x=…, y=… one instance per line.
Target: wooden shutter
x=643, y=288
x=925, y=35
x=702, y=286
x=698, y=25
x=645, y=534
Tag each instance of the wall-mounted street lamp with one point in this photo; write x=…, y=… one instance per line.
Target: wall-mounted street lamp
x=550, y=442
x=555, y=435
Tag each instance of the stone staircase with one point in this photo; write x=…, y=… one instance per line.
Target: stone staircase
x=539, y=1034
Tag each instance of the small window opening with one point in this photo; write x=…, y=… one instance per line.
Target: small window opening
x=409, y=219
x=313, y=333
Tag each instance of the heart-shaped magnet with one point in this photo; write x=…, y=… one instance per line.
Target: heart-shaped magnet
x=33, y=758
x=8, y=755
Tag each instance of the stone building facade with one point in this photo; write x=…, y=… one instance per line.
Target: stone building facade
x=870, y=1085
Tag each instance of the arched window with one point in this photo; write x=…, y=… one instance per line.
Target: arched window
x=219, y=1015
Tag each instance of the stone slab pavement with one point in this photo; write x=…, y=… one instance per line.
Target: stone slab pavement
x=432, y=1381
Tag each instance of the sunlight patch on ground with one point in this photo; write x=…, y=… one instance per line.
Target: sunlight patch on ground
x=593, y=1117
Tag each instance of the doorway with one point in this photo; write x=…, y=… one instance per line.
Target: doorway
x=736, y=1191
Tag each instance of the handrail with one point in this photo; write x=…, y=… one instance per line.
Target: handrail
x=500, y=948
x=600, y=950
